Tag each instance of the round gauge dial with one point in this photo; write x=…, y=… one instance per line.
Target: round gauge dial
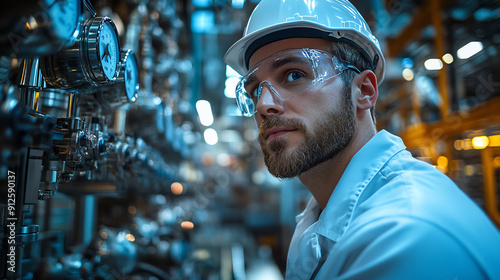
x=131, y=77
x=64, y=15
x=98, y=53
x=109, y=49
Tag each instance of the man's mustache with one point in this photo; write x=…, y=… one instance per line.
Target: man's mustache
x=280, y=121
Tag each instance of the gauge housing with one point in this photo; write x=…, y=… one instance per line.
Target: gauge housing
x=39, y=28
x=129, y=72
x=94, y=33
x=124, y=90
x=81, y=67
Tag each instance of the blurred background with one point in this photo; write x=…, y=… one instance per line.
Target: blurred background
x=123, y=154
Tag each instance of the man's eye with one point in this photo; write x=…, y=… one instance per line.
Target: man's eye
x=293, y=76
x=255, y=95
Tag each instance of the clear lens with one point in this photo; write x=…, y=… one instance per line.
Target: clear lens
x=287, y=74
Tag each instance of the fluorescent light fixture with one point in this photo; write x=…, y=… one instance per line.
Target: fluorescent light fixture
x=203, y=21
x=442, y=162
x=210, y=136
x=408, y=74
x=230, y=72
x=467, y=144
x=205, y=112
x=407, y=62
x=480, y=142
x=202, y=3
x=230, y=89
x=448, y=58
x=494, y=140
x=469, y=50
x=433, y=64
x=157, y=100
x=237, y=4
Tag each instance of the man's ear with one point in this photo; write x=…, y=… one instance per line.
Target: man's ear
x=366, y=90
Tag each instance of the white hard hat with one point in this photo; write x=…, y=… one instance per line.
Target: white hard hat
x=274, y=20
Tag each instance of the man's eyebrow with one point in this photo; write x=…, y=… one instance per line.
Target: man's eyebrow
x=291, y=59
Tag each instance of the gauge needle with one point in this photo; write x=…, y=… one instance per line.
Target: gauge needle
x=129, y=73
x=106, y=51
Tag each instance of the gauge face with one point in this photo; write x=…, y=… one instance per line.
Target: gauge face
x=64, y=16
x=109, y=54
x=131, y=78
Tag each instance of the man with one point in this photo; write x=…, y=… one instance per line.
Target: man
x=311, y=71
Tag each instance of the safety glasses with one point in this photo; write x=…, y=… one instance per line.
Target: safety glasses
x=287, y=74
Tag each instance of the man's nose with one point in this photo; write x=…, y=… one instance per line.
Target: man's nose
x=269, y=103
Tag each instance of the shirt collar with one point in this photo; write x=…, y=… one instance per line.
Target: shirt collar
x=365, y=164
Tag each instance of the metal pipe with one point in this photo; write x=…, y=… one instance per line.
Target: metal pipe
x=31, y=81
x=29, y=98
x=73, y=105
x=437, y=21
x=29, y=75
x=119, y=121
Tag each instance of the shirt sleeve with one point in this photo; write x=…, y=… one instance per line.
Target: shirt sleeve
x=399, y=248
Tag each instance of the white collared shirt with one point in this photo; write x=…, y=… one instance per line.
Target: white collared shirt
x=392, y=216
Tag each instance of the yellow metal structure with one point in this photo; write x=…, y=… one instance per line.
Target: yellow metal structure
x=490, y=184
x=426, y=136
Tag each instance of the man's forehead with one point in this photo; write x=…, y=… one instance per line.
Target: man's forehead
x=291, y=43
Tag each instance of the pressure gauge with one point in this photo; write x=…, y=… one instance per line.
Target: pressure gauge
x=101, y=50
x=37, y=28
x=130, y=75
x=91, y=62
x=126, y=86
x=64, y=15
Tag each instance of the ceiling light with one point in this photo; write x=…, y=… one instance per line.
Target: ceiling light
x=205, y=112
x=442, y=162
x=469, y=50
x=230, y=89
x=202, y=3
x=237, y=4
x=448, y=58
x=230, y=72
x=210, y=136
x=407, y=62
x=480, y=142
x=176, y=188
x=203, y=21
x=494, y=140
x=433, y=64
x=408, y=74
x=187, y=225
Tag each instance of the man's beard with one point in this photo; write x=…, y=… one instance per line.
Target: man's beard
x=328, y=136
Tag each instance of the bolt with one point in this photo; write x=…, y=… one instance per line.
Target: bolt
x=90, y=141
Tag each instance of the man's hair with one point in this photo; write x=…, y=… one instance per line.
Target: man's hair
x=350, y=54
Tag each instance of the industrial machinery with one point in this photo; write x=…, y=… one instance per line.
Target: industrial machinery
x=101, y=172
x=73, y=85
